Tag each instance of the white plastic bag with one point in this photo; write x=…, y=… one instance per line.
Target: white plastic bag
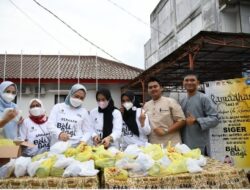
x=33, y=166
x=73, y=169
x=125, y=163
x=145, y=161
x=21, y=166
x=88, y=168
x=193, y=166
x=202, y=161
x=63, y=162
x=164, y=161
x=132, y=150
x=59, y=147
x=182, y=148
x=7, y=169
x=113, y=150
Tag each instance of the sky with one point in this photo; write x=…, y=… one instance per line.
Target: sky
x=100, y=21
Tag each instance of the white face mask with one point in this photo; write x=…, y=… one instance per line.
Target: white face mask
x=103, y=104
x=37, y=111
x=128, y=105
x=8, y=97
x=75, y=102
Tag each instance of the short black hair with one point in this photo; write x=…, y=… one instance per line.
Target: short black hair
x=191, y=72
x=154, y=79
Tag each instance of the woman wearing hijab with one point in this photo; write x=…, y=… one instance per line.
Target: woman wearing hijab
x=69, y=120
x=9, y=117
x=34, y=129
x=135, y=123
x=106, y=120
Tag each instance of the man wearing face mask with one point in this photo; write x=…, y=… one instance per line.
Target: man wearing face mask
x=34, y=129
x=69, y=120
x=106, y=120
x=135, y=122
x=9, y=115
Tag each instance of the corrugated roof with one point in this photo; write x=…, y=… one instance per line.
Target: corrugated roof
x=107, y=69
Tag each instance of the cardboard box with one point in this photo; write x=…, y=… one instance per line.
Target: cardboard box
x=8, y=152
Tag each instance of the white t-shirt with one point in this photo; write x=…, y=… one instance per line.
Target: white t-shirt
x=129, y=138
x=74, y=121
x=37, y=134
x=97, y=122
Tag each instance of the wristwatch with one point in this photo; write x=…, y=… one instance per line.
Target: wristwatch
x=165, y=130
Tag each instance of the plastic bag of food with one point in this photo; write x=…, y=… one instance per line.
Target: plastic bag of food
x=63, y=162
x=154, y=170
x=105, y=162
x=202, y=161
x=132, y=151
x=113, y=150
x=84, y=156
x=73, y=169
x=7, y=142
x=164, y=161
x=21, y=166
x=154, y=150
x=40, y=156
x=100, y=152
x=88, y=169
x=7, y=169
x=116, y=173
x=33, y=166
x=44, y=169
x=70, y=152
x=194, y=153
x=59, y=147
x=125, y=163
x=182, y=148
x=193, y=166
x=145, y=161
x=177, y=166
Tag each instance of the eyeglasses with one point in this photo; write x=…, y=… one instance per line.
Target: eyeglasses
x=11, y=92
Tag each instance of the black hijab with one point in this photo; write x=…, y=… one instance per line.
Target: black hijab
x=129, y=116
x=107, y=112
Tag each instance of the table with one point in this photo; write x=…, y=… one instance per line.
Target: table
x=214, y=175
x=50, y=182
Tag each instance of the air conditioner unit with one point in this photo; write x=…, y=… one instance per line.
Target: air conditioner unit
x=26, y=90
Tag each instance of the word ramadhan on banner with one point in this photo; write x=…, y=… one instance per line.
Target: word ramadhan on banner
x=230, y=140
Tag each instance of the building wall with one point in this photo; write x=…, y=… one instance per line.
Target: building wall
x=174, y=22
x=48, y=98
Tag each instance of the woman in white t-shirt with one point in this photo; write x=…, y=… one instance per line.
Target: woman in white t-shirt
x=106, y=120
x=69, y=120
x=135, y=126
x=34, y=129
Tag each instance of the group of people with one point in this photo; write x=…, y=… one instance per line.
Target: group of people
x=160, y=120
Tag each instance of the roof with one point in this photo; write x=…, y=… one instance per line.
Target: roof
x=212, y=55
x=107, y=69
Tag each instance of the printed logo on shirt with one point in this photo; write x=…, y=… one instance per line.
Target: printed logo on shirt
x=42, y=142
x=126, y=131
x=79, y=115
x=32, y=129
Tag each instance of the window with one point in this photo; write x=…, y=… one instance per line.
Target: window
x=61, y=98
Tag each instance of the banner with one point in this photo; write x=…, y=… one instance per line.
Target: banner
x=230, y=140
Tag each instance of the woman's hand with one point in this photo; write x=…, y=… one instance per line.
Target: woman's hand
x=142, y=118
x=96, y=140
x=106, y=141
x=63, y=136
